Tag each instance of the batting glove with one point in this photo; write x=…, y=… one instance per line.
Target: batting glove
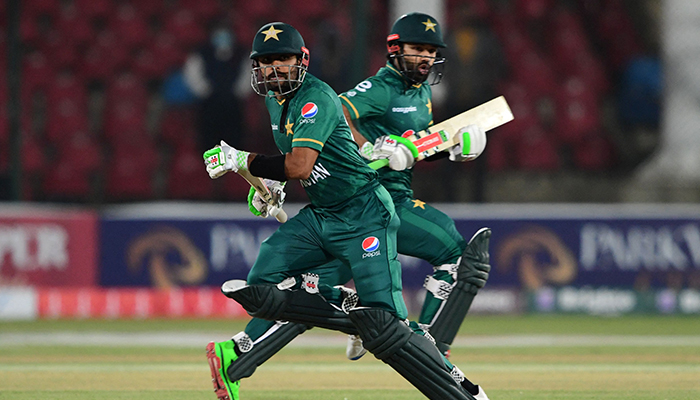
x=367, y=150
x=224, y=158
x=400, y=152
x=472, y=142
x=259, y=207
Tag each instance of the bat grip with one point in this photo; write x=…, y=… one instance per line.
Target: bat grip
x=279, y=214
x=375, y=165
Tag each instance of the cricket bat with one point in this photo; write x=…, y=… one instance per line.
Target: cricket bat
x=442, y=136
x=264, y=192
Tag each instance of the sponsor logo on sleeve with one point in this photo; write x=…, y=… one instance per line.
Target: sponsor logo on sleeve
x=309, y=110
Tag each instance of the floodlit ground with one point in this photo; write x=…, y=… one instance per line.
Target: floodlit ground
x=571, y=357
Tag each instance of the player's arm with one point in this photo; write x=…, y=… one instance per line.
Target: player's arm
x=359, y=138
x=400, y=153
x=295, y=165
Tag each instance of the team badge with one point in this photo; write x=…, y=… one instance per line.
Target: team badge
x=370, y=244
x=309, y=110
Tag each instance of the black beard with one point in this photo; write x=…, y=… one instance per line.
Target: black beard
x=413, y=71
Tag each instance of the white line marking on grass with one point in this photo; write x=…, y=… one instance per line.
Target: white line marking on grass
x=348, y=366
x=195, y=340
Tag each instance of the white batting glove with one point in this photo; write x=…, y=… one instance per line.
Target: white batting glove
x=396, y=151
x=472, y=142
x=224, y=158
x=367, y=150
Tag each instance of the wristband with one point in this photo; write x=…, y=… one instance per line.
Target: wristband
x=270, y=167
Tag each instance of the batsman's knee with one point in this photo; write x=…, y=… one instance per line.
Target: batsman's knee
x=261, y=301
x=286, y=301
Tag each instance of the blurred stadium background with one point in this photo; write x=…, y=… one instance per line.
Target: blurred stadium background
x=106, y=212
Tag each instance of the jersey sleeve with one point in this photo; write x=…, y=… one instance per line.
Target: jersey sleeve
x=369, y=98
x=314, y=121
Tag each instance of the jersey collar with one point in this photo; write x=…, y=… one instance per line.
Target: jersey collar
x=400, y=75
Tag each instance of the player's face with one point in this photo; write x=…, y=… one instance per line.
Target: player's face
x=419, y=57
x=278, y=70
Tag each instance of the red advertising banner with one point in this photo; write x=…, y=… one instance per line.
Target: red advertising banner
x=123, y=303
x=48, y=247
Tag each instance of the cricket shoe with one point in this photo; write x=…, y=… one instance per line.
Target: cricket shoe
x=354, y=349
x=220, y=356
x=481, y=395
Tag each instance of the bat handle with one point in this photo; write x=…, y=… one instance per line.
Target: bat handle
x=375, y=165
x=279, y=214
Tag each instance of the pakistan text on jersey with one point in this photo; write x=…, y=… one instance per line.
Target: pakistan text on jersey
x=318, y=173
x=404, y=110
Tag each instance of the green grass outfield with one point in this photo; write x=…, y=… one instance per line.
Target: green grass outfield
x=524, y=358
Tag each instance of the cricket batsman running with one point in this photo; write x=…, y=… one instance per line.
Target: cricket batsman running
x=380, y=110
x=292, y=286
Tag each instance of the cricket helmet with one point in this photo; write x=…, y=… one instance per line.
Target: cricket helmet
x=278, y=38
x=416, y=28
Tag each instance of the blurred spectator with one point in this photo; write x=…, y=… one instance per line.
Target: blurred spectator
x=211, y=74
x=475, y=62
x=640, y=93
x=331, y=52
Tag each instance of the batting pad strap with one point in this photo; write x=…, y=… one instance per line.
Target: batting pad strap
x=411, y=355
x=451, y=268
x=440, y=289
x=270, y=303
x=412, y=147
x=243, y=342
x=278, y=336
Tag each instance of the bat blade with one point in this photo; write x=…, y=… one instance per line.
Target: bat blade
x=442, y=136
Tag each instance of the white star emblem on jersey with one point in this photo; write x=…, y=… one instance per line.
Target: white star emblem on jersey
x=429, y=25
x=271, y=33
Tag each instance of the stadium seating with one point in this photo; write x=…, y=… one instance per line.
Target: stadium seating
x=186, y=177
x=92, y=71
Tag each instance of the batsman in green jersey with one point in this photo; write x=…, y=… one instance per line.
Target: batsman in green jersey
x=293, y=285
x=381, y=110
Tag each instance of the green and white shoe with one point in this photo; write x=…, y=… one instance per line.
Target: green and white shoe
x=220, y=356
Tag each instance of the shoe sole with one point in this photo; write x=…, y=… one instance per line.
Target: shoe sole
x=215, y=366
x=357, y=357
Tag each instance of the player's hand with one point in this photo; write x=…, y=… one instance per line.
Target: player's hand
x=400, y=152
x=259, y=207
x=224, y=158
x=472, y=142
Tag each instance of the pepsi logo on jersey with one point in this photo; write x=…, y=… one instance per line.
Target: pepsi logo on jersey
x=370, y=245
x=309, y=110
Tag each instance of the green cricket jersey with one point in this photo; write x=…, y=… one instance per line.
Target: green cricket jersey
x=314, y=118
x=385, y=105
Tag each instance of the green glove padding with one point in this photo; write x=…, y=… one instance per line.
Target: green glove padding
x=412, y=147
x=251, y=207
